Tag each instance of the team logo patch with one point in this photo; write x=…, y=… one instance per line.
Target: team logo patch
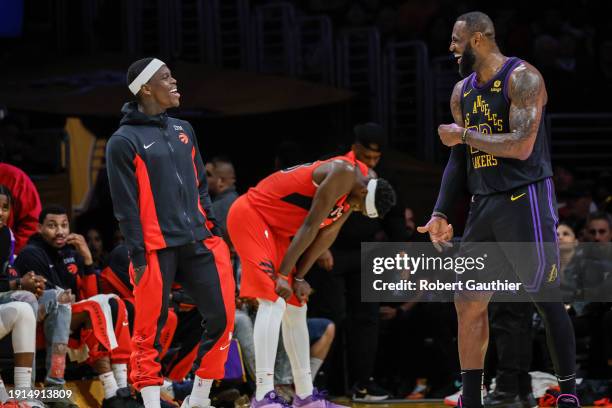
x=72, y=268
x=183, y=138
x=496, y=86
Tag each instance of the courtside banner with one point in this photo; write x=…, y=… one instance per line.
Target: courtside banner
x=499, y=271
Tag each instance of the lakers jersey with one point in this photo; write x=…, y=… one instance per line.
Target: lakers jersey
x=486, y=109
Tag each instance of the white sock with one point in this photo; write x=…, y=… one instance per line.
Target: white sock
x=109, y=383
x=265, y=336
x=150, y=396
x=297, y=345
x=167, y=388
x=120, y=372
x=200, y=392
x=23, y=378
x=3, y=394
x=315, y=365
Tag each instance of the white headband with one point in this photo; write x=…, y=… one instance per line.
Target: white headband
x=370, y=200
x=145, y=75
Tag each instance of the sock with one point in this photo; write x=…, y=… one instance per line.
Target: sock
x=567, y=384
x=297, y=345
x=472, y=388
x=109, y=383
x=150, y=396
x=265, y=338
x=315, y=366
x=200, y=392
x=58, y=365
x=3, y=394
x=120, y=372
x=23, y=378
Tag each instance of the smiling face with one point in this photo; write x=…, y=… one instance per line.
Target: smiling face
x=162, y=87
x=462, y=49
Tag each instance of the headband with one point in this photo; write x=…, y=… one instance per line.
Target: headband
x=145, y=75
x=370, y=200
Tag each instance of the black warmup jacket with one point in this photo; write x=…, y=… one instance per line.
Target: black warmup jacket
x=158, y=183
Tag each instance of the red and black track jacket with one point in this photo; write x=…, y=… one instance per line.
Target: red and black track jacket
x=157, y=182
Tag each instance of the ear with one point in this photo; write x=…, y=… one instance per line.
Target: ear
x=39, y=228
x=145, y=89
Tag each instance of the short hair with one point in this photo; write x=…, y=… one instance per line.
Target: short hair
x=51, y=209
x=385, y=197
x=370, y=135
x=136, y=68
x=478, y=22
x=600, y=215
x=4, y=190
x=221, y=159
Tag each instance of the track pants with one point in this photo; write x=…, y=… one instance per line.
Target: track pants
x=205, y=272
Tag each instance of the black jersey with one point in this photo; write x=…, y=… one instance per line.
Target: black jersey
x=486, y=109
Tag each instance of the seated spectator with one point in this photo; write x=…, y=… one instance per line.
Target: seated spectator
x=599, y=227
x=26, y=204
x=65, y=262
x=96, y=247
x=50, y=308
x=583, y=273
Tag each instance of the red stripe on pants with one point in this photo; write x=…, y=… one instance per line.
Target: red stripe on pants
x=212, y=365
x=144, y=361
x=167, y=333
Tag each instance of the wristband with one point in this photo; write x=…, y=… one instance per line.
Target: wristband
x=464, y=136
x=295, y=278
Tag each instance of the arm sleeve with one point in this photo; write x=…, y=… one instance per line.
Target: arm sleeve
x=454, y=180
x=203, y=185
x=120, y=155
x=26, y=212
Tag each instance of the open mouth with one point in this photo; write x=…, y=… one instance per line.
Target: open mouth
x=175, y=92
x=458, y=58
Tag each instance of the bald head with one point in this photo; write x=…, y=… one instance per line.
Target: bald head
x=478, y=22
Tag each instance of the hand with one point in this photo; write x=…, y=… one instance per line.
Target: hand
x=138, y=272
x=78, y=241
x=387, y=313
x=326, y=261
x=282, y=288
x=440, y=232
x=33, y=283
x=66, y=297
x=450, y=135
x=302, y=290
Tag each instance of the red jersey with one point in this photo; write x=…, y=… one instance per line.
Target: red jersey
x=284, y=198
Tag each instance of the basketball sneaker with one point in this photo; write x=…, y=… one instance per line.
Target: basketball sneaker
x=500, y=399
x=369, y=391
x=270, y=400
x=568, y=401
x=318, y=399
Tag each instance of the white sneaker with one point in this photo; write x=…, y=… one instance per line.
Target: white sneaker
x=185, y=404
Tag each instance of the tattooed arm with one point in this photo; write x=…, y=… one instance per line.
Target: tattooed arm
x=527, y=96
